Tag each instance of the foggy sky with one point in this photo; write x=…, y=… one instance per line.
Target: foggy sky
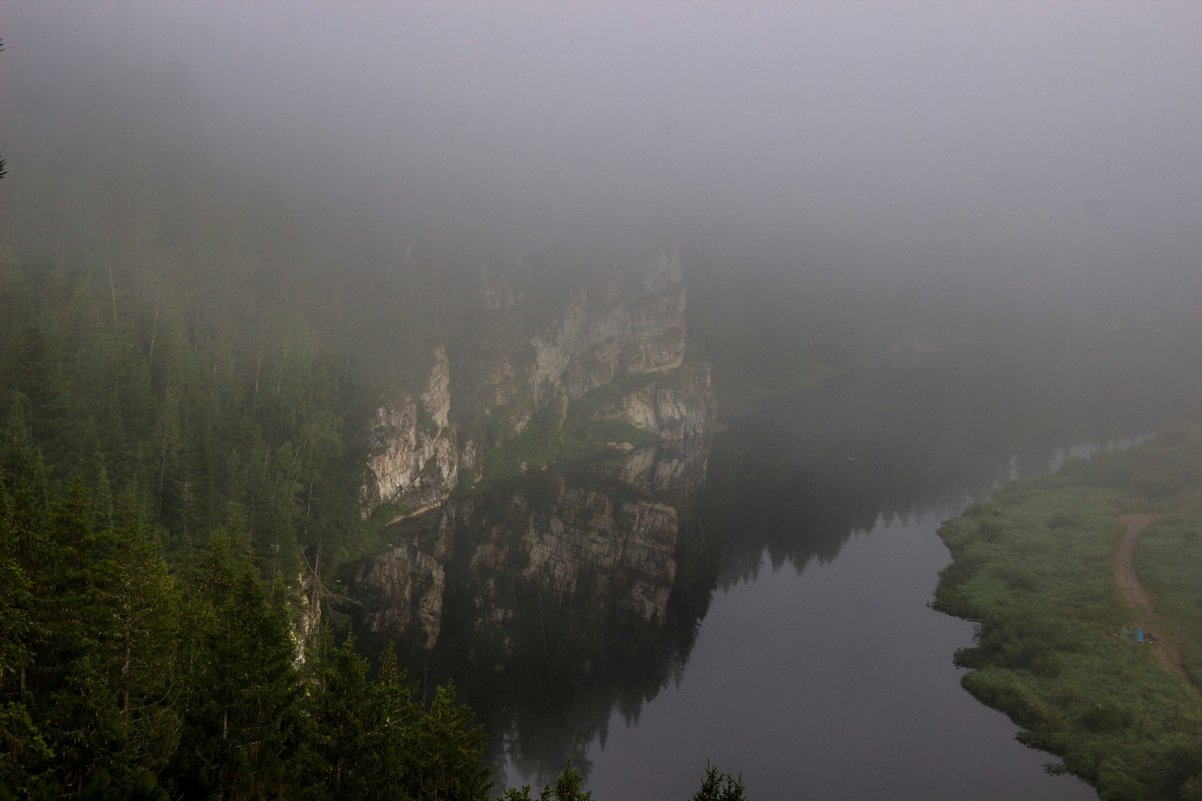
x=1041, y=139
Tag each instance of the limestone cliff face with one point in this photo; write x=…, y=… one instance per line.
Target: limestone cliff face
x=626, y=333
x=637, y=327
x=416, y=452
x=601, y=539
x=614, y=347
x=673, y=410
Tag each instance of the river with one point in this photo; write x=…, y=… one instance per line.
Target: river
x=797, y=551
x=818, y=670
x=832, y=681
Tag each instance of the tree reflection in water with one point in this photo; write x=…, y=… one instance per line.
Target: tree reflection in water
x=572, y=592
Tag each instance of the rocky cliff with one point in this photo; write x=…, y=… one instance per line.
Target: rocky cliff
x=637, y=327
x=542, y=374
x=416, y=450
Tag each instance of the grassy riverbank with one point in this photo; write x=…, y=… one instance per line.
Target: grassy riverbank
x=1039, y=566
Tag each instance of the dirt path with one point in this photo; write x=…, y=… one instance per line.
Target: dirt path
x=1122, y=563
x=1122, y=560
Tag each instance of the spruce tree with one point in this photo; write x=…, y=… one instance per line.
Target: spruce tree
x=394, y=709
x=241, y=722
x=142, y=647
x=336, y=762
x=444, y=756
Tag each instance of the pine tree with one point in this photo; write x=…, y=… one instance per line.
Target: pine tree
x=719, y=786
x=445, y=753
x=35, y=372
x=340, y=720
x=24, y=756
x=568, y=787
x=144, y=606
x=241, y=721
x=73, y=694
x=395, y=710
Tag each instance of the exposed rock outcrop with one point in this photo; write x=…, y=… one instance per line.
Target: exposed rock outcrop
x=614, y=347
x=614, y=350
x=636, y=327
x=672, y=410
x=416, y=454
x=628, y=548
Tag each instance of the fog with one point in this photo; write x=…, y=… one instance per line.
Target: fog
x=354, y=267
x=1052, y=143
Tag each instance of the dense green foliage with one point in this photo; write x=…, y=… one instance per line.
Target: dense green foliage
x=1032, y=564
x=182, y=442
x=117, y=673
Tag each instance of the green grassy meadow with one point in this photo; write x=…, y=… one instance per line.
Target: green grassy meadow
x=1032, y=565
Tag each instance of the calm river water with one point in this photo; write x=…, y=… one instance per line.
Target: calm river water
x=817, y=669
x=832, y=681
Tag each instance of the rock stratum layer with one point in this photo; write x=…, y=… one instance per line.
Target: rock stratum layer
x=543, y=366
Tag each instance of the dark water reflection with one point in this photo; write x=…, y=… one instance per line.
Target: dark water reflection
x=819, y=670
x=791, y=640
x=835, y=683
x=552, y=600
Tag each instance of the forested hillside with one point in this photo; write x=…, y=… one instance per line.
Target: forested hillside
x=163, y=474
x=185, y=431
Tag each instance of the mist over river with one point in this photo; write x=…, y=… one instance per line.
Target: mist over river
x=817, y=669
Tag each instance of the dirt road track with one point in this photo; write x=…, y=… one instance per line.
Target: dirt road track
x=1122, y=564
x=1122, y=560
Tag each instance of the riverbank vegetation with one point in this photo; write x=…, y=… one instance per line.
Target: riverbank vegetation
x=1040, y=567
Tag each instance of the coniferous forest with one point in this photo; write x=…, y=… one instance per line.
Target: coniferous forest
x=169, y=483
x=153, y=511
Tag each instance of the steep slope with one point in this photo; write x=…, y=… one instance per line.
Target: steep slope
x=602, y=362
